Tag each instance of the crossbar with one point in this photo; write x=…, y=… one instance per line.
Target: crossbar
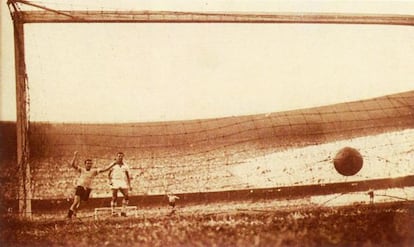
x=209, y=17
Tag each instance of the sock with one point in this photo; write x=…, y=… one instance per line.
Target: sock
x=70, y=213
x=124, y=205
x=113, y=205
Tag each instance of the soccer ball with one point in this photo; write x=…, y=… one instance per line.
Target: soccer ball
x=348, y=161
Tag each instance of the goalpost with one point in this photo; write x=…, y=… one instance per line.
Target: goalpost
x=47, y=15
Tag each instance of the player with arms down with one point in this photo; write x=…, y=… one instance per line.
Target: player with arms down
x=84, y=182
x=119, y=179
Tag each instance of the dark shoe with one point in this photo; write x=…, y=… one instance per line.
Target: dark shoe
x=123, y=214
x=70, y=213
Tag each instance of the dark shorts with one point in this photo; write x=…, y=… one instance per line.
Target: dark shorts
x=83, y=193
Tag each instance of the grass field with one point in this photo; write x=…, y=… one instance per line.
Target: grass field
x=222, y=224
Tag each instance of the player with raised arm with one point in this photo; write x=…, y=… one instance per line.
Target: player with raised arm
x=120, y=179
x=84, y=182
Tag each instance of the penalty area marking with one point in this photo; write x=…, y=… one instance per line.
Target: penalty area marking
x=134, y=209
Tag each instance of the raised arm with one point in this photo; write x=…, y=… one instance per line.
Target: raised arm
x=108, y=167
x=74, y=159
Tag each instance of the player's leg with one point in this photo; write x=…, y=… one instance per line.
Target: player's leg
x=172, y=207
x=76, y=201
x=74, y=206
x=114, y=199
x=83, y=197
x=125, y=200
x=86, y=194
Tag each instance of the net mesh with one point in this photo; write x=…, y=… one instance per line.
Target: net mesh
x=258, y=151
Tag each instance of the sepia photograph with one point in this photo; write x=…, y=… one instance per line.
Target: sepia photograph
x=206, y=123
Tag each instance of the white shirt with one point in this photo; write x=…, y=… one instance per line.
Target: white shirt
x=118, y=173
